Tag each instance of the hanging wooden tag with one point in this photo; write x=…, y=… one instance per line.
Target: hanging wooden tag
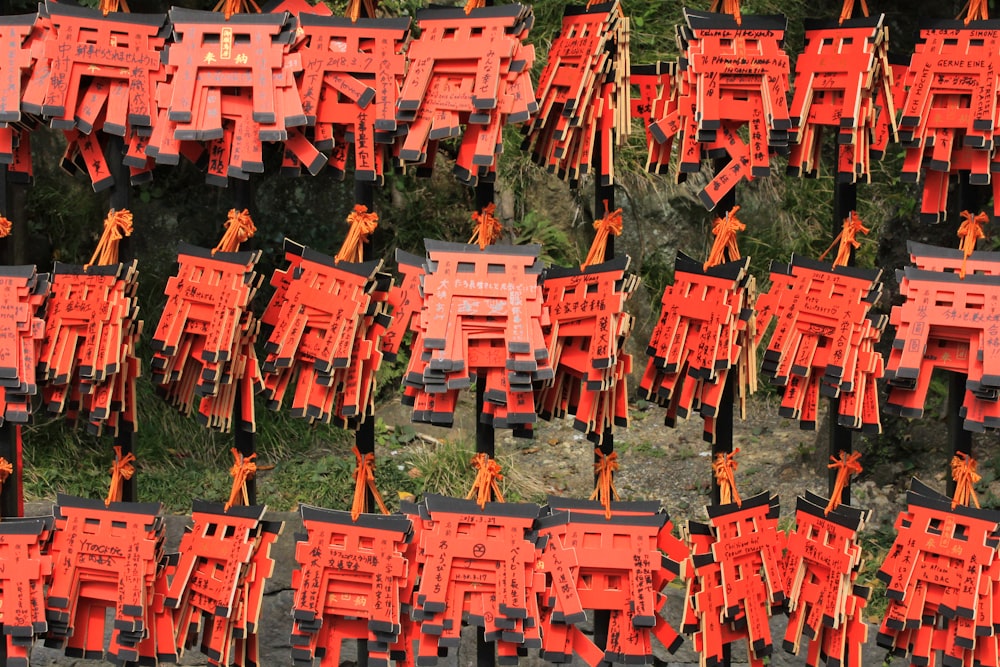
x=820, y=566
x=354, y=68
x=657, y=99
x=951, y=95
x=586, y=335
x=705, y=609
x=843, y=71
x=583, y=92
x=254, y=44
x=936, y=569
x=204, y=338
x=477, y=561
x=92, y=336
x=472, y=299
x=15, y=32
x=349, y=569
x=466, y=68
x=747, y=550
x=692, y=349
x=940, y=311
x=824, y=323
x=587, y=568
x=105, y=556
x=84, y=42
x=27, y=568
x=23, y=293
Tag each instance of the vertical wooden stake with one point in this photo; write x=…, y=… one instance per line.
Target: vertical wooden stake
x=485, y=440
x=969, y=199
x=12, y=497
x=604, y=195
x=845, y=200
x=244, y=440
x=724, y=419
x=121, y=196
x=364, y=437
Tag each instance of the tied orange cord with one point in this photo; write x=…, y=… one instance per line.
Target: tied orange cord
x=963, y=471
x=121, y=471
x=728, y=7
x=604, y=491
x=474, y=4
x=364, y=480
x=847, y=238
x=5, y=227
x=975, y=10
x=485, y=488
x=239, y=229
x=354, y=9
x=117, y=226
x=488, y=228
x=108, y=6
x=242, y=471
x=724, y=247
x=848, y=11
x=846, y=466
x=970, y=231
x=6, y=470
x=230, y=7
x=724, y=467
x=362, y=224
x=611, y=223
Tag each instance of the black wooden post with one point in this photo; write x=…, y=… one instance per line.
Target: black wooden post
x=724, y=418
x=121, y=198
x=244, y=439
x=485, y=439
x=604, y=200
x=11, y=497
x=970, y=198
x=364, y=437
x=845, y=201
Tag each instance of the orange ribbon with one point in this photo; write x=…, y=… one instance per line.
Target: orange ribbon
x=963, y=471
x=728, y=7
x=362, y=224
x=975, y=10
x=5, y=227
x=242, y=471
x=604, y=490
x=485, y=488
x=488, y=228
x=6, y=470
x=474, y=4
x=724, y=467
x=847, y=238
x=970, y=231
x=364, y=480
x=108, y=6
x=353, y=11
x=848, y=11
x=846, y=466
x=230, y=7
x=239, y=229
x=121, y=470
x=610, y=224
x=117, y=226
x=725, y=246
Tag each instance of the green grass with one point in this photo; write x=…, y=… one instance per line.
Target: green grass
x=179, y=461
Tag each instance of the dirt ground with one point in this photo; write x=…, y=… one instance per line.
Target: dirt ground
x=673, y=465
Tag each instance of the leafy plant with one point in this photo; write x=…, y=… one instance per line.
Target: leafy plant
x=557, y=248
